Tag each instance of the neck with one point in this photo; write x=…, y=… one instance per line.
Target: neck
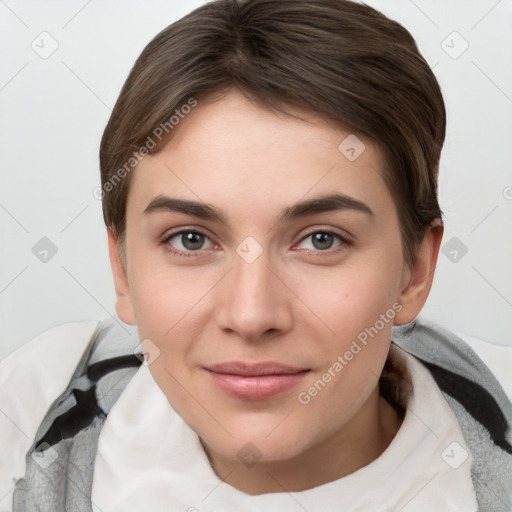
x=352, y=447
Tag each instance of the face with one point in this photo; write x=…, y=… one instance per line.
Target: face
x=259, y=257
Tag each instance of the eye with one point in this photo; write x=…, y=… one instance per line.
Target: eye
x=324, y=240
x=187, y=241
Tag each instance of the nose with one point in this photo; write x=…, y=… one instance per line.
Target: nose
x=255, y=302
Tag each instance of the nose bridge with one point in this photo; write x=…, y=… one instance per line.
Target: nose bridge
x=254, y=300
x=251, y=280
x=251, y=275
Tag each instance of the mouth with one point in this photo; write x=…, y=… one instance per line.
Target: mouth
x=256, y=381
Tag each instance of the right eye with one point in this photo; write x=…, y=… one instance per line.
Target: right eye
x=186, y=241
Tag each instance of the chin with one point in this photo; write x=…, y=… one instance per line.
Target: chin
x=256, y=444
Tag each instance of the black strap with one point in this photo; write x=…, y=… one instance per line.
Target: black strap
x=476, y=400
x=98, y=370
x=81, y=415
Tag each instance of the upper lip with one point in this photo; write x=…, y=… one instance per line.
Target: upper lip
x=254, y=369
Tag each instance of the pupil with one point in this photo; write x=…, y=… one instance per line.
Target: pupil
x=192, y=240
x=322, y=240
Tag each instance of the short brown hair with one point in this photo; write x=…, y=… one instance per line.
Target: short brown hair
x=342, y=60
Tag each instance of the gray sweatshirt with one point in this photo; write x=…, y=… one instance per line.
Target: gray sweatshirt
x=68, y=435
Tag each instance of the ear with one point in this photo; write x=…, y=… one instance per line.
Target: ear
x=419, y=276
x=124, y=305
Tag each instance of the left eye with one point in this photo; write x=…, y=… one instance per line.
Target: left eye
x=322, y=240
x=188, y=241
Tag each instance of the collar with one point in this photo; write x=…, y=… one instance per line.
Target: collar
x=149, y=459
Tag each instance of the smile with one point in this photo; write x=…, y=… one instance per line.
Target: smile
x=255, y=381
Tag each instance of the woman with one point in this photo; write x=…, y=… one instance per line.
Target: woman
x=269, y=182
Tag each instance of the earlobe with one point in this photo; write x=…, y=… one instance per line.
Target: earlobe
x=124, y=305
x=420, y=275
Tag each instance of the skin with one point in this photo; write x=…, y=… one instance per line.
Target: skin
x=297, y=303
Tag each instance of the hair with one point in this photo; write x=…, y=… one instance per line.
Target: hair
x=339, y=59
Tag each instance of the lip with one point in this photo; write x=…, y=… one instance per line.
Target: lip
x=255, y=381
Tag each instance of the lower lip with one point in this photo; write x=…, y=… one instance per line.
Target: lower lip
x=258, y=387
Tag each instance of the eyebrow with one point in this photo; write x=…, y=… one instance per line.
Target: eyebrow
x=322, y=204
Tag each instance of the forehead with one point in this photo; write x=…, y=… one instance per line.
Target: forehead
x=240, y=156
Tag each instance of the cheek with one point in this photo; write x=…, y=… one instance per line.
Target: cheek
x=164, y=296
x=166, y=308
x=357, y=305
x=173, y=311
x=353, y=298
x=359, y=309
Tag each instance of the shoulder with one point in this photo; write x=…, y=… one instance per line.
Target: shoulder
x=31, y=379
x=473, y=376
x=480, y=361
x=498, y=359
x=471, y=371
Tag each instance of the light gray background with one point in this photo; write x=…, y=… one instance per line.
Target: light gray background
x=53, y=111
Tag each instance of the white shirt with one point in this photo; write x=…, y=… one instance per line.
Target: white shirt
x=149, y=459
x=33, y=376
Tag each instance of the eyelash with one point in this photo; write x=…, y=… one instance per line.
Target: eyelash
x=191, y=254
x=177, y=252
